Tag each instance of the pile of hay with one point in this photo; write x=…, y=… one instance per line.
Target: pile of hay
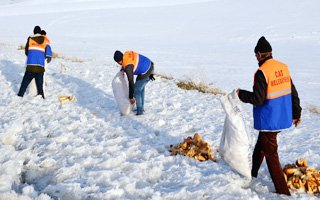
x=194, y=147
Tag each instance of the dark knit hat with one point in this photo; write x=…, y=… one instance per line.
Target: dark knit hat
x=43, y=32
x=37, y=30
x=263, y=46
x=118, y=56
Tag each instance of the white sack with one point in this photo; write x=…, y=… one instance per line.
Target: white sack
x=235, y=140
x=33, y=90
x=121, y=92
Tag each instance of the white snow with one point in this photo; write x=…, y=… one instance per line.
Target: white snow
x=87, y=150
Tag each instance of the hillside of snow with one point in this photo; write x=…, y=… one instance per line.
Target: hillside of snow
x=87, y=150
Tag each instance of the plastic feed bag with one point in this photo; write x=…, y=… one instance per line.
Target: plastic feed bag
x=235, y=140
x=121, y=93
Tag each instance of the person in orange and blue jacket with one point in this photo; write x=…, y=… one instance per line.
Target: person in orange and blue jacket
x=44, y=33
x=37, y=50
x=136, y=64
x=276, y=106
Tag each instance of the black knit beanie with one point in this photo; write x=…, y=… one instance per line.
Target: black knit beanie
x=263, y=46
x=118, y=56
x=37, y=30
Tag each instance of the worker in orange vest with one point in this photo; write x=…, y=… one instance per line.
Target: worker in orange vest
x=276, y=106
x=32, y=85
x=37, y=50
x=136, y=64
x=44, y=33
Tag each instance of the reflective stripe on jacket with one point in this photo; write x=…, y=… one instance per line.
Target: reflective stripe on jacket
x=276, y=112
x=140, y=63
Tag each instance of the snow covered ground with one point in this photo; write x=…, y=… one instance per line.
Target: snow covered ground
x=86, y=150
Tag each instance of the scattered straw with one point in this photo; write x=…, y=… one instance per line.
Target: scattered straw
x=201, y=87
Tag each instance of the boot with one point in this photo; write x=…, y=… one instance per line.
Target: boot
x=139, y=111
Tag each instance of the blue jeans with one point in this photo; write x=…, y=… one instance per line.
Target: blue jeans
x=139, y=88
x=27, y=78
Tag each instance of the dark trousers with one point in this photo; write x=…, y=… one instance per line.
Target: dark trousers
x=27, y=78
x=267, y=147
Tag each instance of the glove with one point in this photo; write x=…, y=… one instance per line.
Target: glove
x=49, y=59
x=151, y=77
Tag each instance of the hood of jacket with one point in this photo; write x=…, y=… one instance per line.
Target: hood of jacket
x=38, y=38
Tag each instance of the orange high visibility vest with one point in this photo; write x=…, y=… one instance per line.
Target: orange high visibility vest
x=46, y=39
x=130, y=57
x=276, y=112
x=278, y=78
x=33, y=45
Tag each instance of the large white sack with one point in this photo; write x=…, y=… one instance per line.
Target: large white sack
x=33, y=90
x=235, y=140
x=121, y=92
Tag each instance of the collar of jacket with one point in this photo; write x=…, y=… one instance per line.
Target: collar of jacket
x=264, y=60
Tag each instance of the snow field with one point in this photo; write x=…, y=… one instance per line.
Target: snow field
x=86, y=150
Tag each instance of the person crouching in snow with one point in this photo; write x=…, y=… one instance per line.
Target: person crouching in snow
x=276, y=106
x=136, y=64
x=37, y=50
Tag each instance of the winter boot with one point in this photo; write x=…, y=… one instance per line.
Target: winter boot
x=139, y=111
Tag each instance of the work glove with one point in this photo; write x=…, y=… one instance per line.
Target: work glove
x=151, y=77
x=48, y=59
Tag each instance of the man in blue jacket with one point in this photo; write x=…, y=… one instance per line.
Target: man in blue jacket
x=37, y=50
x=136, y=64
x=276, y=106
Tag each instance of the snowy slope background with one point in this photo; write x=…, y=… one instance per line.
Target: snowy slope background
x=86, y=150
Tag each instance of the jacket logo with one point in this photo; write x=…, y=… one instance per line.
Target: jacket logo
x=279, y=73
